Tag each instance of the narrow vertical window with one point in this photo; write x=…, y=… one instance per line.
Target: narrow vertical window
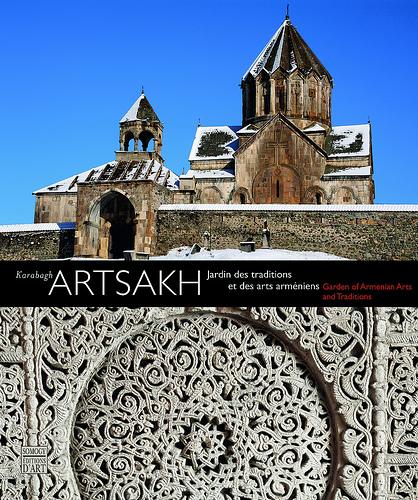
x=277, y=189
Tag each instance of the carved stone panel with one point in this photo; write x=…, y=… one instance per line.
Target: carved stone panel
x=202, y=408
x=294, y=403
x=398, y=360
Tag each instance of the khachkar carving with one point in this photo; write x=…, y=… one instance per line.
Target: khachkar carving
x=401, y=402
x=340, y=343
x=202, y=408
x=49, y=358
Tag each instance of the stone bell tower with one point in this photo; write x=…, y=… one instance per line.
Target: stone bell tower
x=141, y=133
x=287, y=77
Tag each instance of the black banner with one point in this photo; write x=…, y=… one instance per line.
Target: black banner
x=208, y=283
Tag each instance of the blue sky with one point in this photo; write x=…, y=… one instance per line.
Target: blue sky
x=70, y=70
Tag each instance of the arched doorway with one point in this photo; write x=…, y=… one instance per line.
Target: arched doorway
x=113, y=216
x=315, y=196
x=276, y=185
x=241, y=196
x=202, y=407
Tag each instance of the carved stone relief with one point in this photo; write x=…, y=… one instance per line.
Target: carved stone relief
x=265, y=403
x=399, y=445
x=202, y=408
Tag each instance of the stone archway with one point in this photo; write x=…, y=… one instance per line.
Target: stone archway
x=277, y=185
x=112, y=218
x=241, y=196
x=202, y=407
x=315, y=196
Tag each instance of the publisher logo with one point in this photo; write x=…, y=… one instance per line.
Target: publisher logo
x=34, y=460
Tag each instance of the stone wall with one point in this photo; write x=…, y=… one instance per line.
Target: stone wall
x=36, y=245
x=363, y=234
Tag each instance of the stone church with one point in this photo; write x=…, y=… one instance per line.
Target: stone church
x=286, y=151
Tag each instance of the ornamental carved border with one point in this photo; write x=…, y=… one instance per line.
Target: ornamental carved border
x=396, y=403
x=366, y=361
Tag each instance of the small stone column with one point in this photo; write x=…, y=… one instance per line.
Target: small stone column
x=266, y=236
x=206, y=239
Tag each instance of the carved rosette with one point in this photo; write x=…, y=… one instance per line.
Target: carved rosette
x=202, y=407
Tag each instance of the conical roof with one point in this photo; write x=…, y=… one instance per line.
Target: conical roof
x=141, y=110
x=289, y=51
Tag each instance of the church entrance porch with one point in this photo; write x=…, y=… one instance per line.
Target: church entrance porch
x=112, y=226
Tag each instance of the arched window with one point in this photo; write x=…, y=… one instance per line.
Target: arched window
x=250, y=90
x=242, y=199
x=266, y=94
x=281, y=93
x=147, y=141
x=277, y=189
x=129, y=142
x=318, y=197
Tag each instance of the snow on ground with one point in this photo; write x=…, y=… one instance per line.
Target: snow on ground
x=183, y=253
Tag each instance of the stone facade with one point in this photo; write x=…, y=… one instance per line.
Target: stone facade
x=50, y=207
x=360, y=235
x=114, y=204
x=232, y=402
x=277, y=165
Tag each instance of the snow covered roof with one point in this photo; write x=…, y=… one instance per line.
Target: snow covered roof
x=215, y=143
x=30, y=228
x=248, y=130
x=288, y=208
x=140, y=110
x=331, y=171
x=348, y=140
x=69, y=185
x=314, y=128
x=225, y=173
x=287, y=50
x=125, y=171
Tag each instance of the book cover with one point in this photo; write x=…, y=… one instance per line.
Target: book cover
x=225, y=307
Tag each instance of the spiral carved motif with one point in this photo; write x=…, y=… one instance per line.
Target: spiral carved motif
x=202, y=408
